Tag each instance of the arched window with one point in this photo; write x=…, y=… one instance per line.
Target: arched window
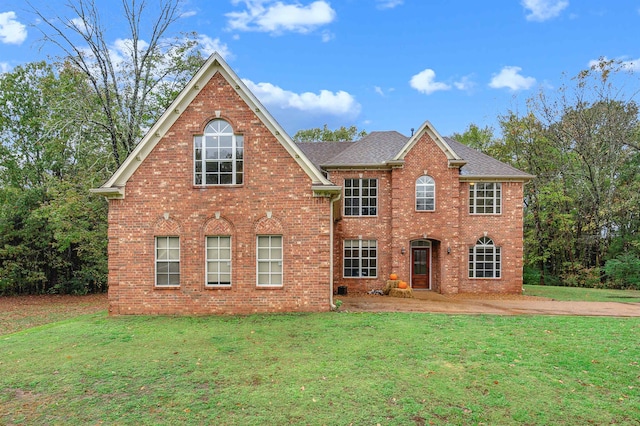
x=425, y=194
x=484, y=259
x=218, y=155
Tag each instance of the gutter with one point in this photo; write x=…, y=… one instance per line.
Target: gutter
x=333, y=199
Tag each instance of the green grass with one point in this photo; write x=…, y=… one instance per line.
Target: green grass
x=583, y=294
x=331, y=368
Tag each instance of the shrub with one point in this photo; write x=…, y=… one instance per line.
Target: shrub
x=623, y=272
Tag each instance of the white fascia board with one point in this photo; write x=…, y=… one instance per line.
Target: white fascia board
x=428, y=128
x=214, y=64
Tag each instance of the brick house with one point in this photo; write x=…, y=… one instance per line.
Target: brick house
x=217, y=210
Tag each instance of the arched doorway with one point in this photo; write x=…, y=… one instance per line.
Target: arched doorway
x=421, y=264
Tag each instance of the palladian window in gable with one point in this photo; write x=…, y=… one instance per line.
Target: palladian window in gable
x=218, y=155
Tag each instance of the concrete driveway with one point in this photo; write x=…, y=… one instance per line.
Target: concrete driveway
x=427, y=301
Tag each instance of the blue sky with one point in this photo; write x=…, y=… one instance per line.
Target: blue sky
x=380, y=64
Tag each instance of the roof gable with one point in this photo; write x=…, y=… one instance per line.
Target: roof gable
x=427, y=128
x=115, y=186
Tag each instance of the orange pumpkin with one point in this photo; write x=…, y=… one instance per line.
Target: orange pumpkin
x=393, y=277
x=402, y=284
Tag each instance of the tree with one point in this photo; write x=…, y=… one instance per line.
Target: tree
x=581, y=142
x=477, y=138
x=325, y=135
x=52, y=231
x=126, y=77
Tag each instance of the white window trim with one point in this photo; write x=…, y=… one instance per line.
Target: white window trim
x=377, y=198
x=433, y=183
x=156, y=260
x=497, y=264
x=360, y=259
x=258, y=261
x=207, y=260
x=203, y=159
x=496, y=205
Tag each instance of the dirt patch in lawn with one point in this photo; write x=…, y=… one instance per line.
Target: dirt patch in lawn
x=427, y=301
x=21, y=312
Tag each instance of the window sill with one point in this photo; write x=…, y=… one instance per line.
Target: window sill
x=166, y=287
x=269, y=287
x=234, y=185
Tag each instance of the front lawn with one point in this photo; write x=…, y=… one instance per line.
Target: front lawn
x=582, y=294
x=330, y=368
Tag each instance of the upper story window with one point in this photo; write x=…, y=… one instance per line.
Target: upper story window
x=484, y=259
x=425, y=194
x=360, y=197
x=218, y=155
x=485, y=198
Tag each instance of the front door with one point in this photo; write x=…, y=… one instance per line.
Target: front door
x=420, y=257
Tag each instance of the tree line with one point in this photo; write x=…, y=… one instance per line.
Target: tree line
x=582, y=211
x=66, y=126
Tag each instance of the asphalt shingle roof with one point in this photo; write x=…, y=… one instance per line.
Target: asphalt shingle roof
x=379, y=147
x=479, y=164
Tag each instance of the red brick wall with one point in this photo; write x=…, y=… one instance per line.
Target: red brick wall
x=450, y=228
x=506, y=232
x=367, y=228
x=163, y=184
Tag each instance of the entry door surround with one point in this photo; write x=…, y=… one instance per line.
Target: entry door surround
x=421, y=264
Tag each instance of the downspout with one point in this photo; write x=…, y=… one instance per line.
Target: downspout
x=331, y=227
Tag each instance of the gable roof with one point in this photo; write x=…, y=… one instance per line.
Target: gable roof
x=387, y=149
x=320, y=152
x=373, y=150
x=115, y=186
x=483, y=166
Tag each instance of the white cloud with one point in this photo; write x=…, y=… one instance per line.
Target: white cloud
x=424, y=82
x=378, y=90
x=4, y=67
x=326, y=102
x=388, y=4
x=542, y=10
x=209, y=45
x=276, y=17
x=188, y=14
x=79, y=24
x=327, y=36
x=11, y=30
x=465, y=83
x=628, y=65
x=510, y=78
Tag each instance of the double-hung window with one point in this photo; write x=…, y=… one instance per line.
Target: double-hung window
x=360, y=258
x=269, y=260
x=425, y=194
x=484, y=259
x=218, y=261
x=218, y=155
x=167, y=261
x=360, y=197
x=485, y=198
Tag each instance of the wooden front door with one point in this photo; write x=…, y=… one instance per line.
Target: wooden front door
x=420, y=262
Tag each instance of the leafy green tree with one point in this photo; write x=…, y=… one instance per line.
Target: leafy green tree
x=478, y=138
x=341, y=134
x=52, y=231
x=581, y=142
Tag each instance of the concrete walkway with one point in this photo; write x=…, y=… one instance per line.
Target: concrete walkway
x=427, y=301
